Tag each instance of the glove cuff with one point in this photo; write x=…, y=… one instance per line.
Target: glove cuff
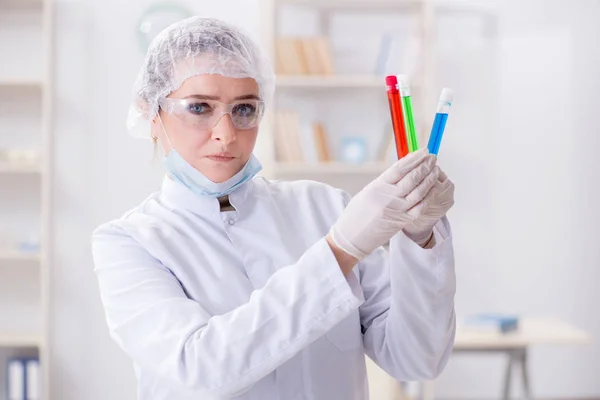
x=420, y=238
x=340, y=241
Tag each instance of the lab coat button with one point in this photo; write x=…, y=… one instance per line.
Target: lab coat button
x=231, y=222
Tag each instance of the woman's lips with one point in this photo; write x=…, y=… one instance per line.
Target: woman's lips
x=220, y=157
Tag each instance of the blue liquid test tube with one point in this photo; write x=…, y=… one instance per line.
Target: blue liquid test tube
x=441, y=116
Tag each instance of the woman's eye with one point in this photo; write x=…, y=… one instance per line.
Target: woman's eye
x=244, y=110
x=198, y=108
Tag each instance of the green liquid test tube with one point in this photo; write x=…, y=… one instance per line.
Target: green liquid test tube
x=409, y=119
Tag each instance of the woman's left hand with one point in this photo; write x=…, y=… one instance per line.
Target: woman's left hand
x=431, y=209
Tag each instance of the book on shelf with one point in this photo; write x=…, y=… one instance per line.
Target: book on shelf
x=298, y=141
x=23, y=379
x=310, y=55
x=303, y=56
x=324, y=52
x=288, y=57
x=287, y=136
x=491, y=323
x=323, y=153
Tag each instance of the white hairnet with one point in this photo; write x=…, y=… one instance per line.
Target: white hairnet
x=192, y=47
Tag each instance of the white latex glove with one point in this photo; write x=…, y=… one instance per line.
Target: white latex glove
x=431, y=209
x=386, y=205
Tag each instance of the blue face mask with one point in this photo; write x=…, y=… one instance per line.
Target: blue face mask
x=181, y=171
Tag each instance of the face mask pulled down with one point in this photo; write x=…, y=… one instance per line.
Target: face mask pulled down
x=181, y=171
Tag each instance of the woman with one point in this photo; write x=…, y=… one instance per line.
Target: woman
x=224, y=284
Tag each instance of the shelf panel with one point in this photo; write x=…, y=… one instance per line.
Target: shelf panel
x=331, y=81
x=336, y=81
x=15, y=255
x=362, y=5
x=337, y=168
x=371, y=6
x=21, y=4
x=20, y=340
x=21, y=82
x=13, y=168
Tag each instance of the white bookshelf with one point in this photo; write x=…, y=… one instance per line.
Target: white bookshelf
x=25, y=79
x=353, y=85
x=350, y=86
x=349, y=177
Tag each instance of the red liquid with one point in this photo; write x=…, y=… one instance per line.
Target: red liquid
x=398, y=122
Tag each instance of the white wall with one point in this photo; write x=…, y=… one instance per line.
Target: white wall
x=525, y=223
x=526, y=179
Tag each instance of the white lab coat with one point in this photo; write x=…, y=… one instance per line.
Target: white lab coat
x=251, y=304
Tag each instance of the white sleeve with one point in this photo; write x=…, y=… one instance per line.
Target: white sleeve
x=408, y=315
x=164, y=331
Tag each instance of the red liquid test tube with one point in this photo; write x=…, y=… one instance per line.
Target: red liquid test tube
x=397, y=118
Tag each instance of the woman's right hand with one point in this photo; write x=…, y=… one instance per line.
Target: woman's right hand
x=385, y=205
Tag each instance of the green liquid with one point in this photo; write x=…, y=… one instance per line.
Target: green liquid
x=413, y=145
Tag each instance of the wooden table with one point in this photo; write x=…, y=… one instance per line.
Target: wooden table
x=532, y=331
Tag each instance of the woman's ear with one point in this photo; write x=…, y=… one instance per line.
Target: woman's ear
x=155, y=146
x=155, y=130
x=157, y=135
x=154, y=126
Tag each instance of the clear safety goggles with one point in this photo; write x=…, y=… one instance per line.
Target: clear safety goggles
x=205, y=114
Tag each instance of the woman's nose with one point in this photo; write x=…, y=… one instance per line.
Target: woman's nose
x=224, y=130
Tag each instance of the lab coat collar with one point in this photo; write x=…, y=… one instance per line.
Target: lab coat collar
x=179, y=196
x=238, y=197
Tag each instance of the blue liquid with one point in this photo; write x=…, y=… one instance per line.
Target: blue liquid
x=437, y=131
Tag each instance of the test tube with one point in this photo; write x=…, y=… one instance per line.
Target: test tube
x=404, y=83
x=396, y=114
x=439, y=123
